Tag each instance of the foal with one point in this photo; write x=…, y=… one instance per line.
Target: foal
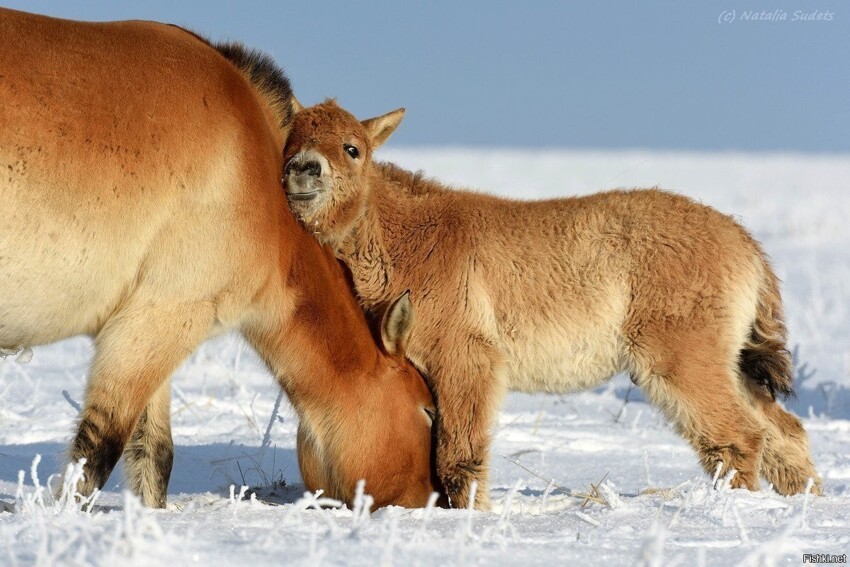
x=142, y=206
x=559, y=295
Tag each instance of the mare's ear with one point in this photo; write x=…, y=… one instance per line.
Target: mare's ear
x=381, y=127
x=296, y=106
x=397, y=324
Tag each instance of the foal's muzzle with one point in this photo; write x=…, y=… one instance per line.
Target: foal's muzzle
x=303, y=176
x=307, y=167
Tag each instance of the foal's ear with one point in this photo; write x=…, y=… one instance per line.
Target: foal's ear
x=296, y=106
x=397, y=324
x=381, y=127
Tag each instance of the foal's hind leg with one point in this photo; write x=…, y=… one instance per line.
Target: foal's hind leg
x=149, y=454
x=704, y=400
x=786, y=461
x=137, y=350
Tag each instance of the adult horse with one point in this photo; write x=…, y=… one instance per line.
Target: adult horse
x=142, y=206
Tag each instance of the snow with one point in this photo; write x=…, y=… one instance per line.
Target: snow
x=596, y=477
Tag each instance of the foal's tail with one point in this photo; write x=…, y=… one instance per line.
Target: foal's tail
x=764, y=357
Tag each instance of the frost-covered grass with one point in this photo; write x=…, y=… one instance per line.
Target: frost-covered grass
x=594, y=477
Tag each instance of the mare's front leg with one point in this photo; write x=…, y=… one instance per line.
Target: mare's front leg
x=313, y=471
x=469, y=389
x=137, y=350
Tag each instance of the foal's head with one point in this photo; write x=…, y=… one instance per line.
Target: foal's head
x=327, y=158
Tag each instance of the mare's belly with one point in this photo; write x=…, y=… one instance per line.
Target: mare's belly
x=43, y=300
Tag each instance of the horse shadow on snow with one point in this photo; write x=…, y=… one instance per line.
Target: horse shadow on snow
x=270, y=473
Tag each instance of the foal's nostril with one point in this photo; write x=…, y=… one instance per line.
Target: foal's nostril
x=312, y=168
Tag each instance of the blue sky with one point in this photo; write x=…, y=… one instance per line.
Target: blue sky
x=583, y=74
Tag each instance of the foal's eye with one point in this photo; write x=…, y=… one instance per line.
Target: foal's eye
x=351, y=151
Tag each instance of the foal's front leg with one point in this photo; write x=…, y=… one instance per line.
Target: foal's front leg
x=469, y=389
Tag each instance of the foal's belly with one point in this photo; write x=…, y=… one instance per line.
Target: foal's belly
x=572, y=346
x=559, y=363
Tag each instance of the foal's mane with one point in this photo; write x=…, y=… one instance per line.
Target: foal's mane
x=413, y=183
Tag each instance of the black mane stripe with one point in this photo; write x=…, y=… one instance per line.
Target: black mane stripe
x=260, y=68
x=266, y=75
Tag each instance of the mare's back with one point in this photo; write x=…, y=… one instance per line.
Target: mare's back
x=122, y=145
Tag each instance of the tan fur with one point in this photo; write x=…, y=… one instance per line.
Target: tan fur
x=559, y=295
x=139, y=176
x=149, y=454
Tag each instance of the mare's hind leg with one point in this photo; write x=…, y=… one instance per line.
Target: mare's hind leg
x=700, y=392
x=149, y=454
x=786, y=461
x=137, y=350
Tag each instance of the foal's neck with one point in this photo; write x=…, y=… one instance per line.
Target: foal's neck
x=365, y=251
x=398, y=230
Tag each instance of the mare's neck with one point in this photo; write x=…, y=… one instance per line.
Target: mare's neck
x=315, y=339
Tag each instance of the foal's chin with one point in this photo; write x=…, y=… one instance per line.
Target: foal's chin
x=313, y=216
x=308, y=210
x=330, y=221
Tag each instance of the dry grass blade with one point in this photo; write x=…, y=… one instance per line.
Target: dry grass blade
x=592, y=496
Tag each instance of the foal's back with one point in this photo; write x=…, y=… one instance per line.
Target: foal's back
x=559, y=283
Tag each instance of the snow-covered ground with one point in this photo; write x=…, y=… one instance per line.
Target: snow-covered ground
x=653, y=505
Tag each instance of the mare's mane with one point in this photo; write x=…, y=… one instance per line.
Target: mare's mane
x=265, y=74
x=261, y=70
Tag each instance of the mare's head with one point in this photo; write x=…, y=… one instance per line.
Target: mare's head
x=395, y=423
x=327, y=162
x=366, y=410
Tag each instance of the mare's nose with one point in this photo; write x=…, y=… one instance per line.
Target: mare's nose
x=309, y=167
